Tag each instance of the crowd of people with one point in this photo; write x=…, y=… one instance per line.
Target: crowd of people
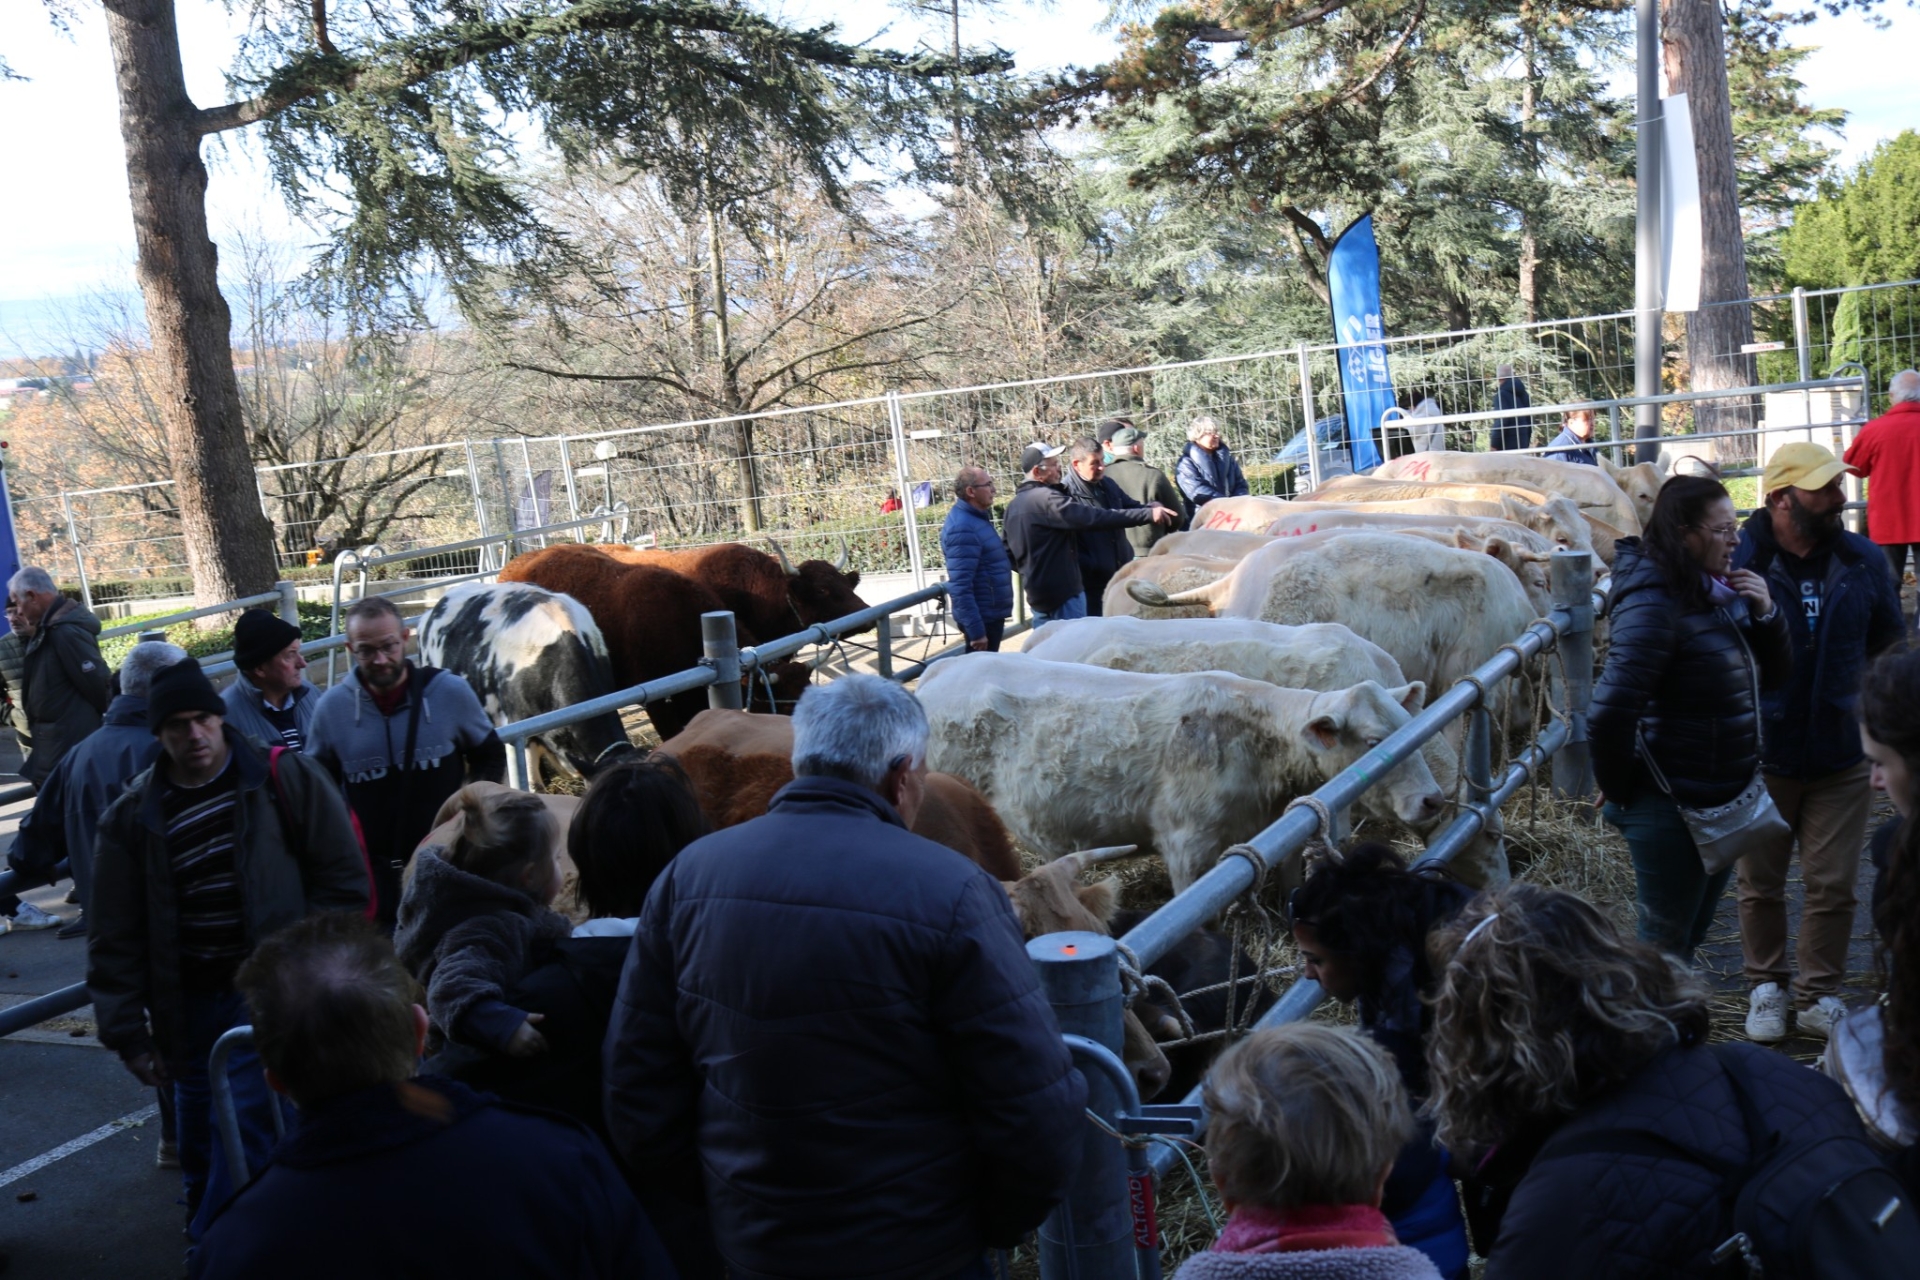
x=812, y=1045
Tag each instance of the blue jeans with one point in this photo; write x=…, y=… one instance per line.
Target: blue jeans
x=1673, y=896
x=1074, y=608
x=203, y=1163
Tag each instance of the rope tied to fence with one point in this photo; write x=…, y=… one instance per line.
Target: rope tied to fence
x=1135, y=982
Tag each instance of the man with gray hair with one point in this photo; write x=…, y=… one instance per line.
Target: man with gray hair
x=63, y=680
x=1206, y=469
x=66, y=813
x=836, y=1022
x=1888, y=450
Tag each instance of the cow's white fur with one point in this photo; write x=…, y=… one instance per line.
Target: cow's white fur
x=1187, y=765
x=1170, y=573
x=1223, y=544
x=1620, y=498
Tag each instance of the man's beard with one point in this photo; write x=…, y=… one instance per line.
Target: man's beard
x=1813, y=526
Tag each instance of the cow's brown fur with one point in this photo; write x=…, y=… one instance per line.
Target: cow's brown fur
x=754, y=585
x=737, y=760
x=650, y=618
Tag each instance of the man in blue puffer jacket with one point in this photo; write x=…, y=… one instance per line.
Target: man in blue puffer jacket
x=979, y=573
x=836, y=1023
x=1841, y=611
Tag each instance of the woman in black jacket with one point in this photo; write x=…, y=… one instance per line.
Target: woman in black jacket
x=1571, y=1073
x=1890, y=734
x=1693, y=644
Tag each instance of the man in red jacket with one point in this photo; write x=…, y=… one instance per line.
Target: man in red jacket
x=1888, y=451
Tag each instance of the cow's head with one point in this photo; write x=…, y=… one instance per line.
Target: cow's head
x=1642, y=486
x=1558, y=520
x=1052, y=900
x=821, y=592
x=1527, y=565
x=1345, y=724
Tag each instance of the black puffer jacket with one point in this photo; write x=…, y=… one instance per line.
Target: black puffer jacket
x=1684, y=682
x=1643, y=1216
x=841, y=1019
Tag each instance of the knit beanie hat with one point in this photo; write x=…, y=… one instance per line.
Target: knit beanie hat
x=180, y=687
x=258, y=636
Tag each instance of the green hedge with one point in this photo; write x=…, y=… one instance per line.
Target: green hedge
x=314, y=615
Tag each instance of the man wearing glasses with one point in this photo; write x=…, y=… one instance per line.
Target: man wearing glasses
x=401, y=738
x=979, y=574
x=1842, y=609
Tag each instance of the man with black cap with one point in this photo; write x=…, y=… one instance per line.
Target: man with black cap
x=1041, y=522
x=270, y=700
x=1140, y=481
x=209, y=850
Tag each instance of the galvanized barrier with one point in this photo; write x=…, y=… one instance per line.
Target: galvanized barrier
x=1092, y=1006
x=226, y=1118
x=284, y=596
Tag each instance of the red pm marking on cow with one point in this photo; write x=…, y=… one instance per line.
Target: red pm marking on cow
x=1420, y=470
x=1222, y=520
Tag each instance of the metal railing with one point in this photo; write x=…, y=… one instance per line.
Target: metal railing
x=1097, y=1210
x=285, y=596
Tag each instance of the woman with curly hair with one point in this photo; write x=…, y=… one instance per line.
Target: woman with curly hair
x=1557, y=1043
x=1361, y=923
x=1676, y=714
x=1890, y=735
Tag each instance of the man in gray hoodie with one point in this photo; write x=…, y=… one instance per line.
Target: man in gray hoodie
x=400, y=738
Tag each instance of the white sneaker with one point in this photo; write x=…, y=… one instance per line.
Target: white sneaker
x=32, y=917
x=1820, y=1018
x=1767, y=1014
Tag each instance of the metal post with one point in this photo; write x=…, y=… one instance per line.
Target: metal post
x=720, y=647
x=1613, y=433
x=1572, y=581
x=1306, y=401
x=79, y=564
x=883, y=646
x=519, y=770
x=1477, y=758
x=289, y=602
x=566, y=472
x=1091, y=1233
x=903, y=477
x=533, y=498
x=479, y=502
x=506, y=500
x=1647, y=286
x=1800, y=343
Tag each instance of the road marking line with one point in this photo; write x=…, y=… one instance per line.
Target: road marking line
x=81, y=1143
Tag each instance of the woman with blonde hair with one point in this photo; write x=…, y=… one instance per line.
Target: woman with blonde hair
x=1303, y=1125
x=1570, y=1069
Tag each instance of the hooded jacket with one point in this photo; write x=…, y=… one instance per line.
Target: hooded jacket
x=1683, y=683
x=839, y=1019
x=64, y=685
x=1102, y=551
x=1811, y=729
x=290, y=864
x=467, y=939
x=428, y=1178
x=246, y=710
x=979, y=574
x=399, y=769
x=1041, y=522
x=1204, y=476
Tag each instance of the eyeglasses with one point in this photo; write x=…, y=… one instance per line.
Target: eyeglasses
x=1720, y=530
x=984, y=484
x=378, y=650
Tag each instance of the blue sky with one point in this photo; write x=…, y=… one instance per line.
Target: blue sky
x=65, y=223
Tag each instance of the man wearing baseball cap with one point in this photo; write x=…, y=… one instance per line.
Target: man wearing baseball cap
x=1041, y=522
x=1841, y=611
x=270, y=700
x=1139, y=480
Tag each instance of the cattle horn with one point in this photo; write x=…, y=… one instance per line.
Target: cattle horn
x=785, y=563
x=1086, y=858
x=845, y=558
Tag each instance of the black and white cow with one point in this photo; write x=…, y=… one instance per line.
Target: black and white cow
x=527, y=651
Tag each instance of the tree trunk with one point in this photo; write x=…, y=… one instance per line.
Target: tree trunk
x=1530, y=146
x=1695, y=45
x=730, y=381
x=229, y=541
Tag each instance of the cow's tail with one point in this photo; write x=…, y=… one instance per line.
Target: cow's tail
x=1155, y=596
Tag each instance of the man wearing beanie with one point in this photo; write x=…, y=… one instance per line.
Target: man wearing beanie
x=270, y=700
x=203, y=855
x=1841, y=610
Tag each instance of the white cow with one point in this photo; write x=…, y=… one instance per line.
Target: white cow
x=1321, y=655
x=1622, y=498
x=1169, y=573
x=1187, y=765
x=1223, y=544
x=1439, y=611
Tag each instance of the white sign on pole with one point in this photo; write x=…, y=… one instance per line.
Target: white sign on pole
x=1680, y=241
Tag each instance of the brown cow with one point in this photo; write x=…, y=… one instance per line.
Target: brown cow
x=768, y=596
x=650, y=618
x=737, y=760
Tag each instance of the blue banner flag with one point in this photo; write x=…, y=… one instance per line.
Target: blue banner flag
x=1353, y=278
x=9, y=547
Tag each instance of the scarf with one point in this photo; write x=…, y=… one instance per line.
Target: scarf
x=1254, y=1229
